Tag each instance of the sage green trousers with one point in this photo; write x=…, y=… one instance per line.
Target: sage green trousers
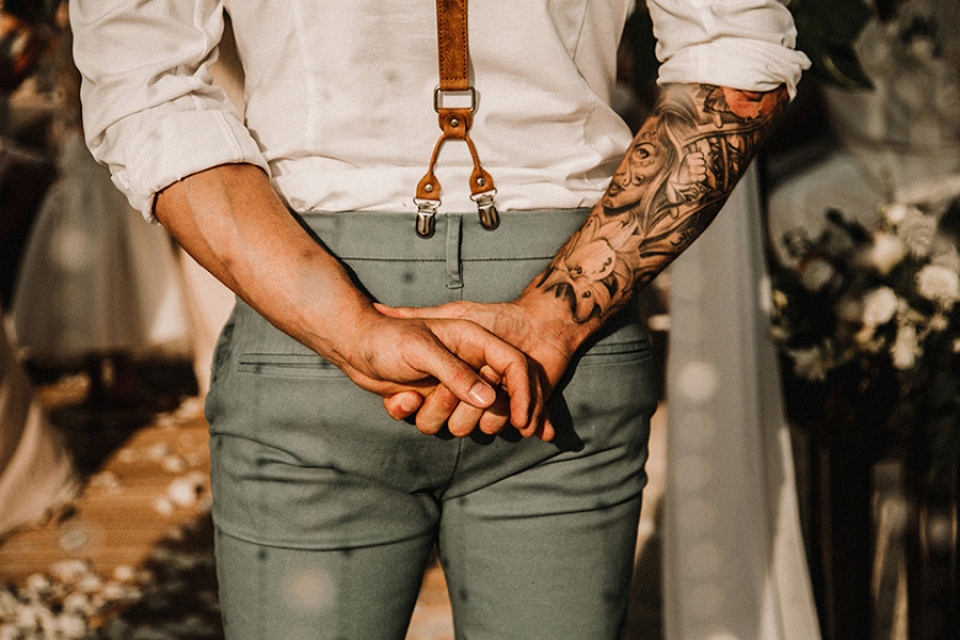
x=326, y=509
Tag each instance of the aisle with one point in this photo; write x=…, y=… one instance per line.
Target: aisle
x=133, y=554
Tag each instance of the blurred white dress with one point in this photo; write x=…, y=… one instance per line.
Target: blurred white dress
x=95, y=278
x=36, y=473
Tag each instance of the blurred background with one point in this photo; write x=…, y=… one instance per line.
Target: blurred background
x=803, y=471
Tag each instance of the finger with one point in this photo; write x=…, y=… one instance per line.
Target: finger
x=456, y=372
x=526, y=417
x=546, y=432
x=446, y=311
x=478, y=347
x=465, y=419
x=496, y=417
x=402, y=405
x=538, y=411
x=436, y=409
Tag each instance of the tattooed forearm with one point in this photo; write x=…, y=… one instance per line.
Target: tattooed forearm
x=678, y=172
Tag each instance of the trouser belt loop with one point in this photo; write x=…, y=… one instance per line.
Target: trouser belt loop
x=453, y=262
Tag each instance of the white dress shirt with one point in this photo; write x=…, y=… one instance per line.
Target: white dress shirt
x=339, y=93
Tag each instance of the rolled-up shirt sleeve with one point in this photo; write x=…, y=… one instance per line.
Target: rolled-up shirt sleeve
x=742, y=44
x=150, y=110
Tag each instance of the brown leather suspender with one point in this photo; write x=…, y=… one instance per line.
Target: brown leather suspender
x=454, y=121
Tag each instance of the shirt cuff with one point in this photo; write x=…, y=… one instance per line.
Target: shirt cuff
x=180, y=145
x=748, y=65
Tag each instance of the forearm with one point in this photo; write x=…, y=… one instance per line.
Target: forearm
x=677, y=174
x=232, y=222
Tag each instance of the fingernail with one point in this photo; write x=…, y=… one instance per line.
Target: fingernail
x=409, y=404
x=482, y=394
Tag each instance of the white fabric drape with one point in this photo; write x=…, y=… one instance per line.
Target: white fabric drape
x=734, y=562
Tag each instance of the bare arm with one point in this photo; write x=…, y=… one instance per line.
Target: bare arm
x=677, y=174
x=233, y=223
x=672, y=182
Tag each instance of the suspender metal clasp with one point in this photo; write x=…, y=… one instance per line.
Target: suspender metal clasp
x=426, y=216
x=489, y=216
x=458, y=96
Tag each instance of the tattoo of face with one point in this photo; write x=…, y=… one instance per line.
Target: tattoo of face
x=674, y=178
x=643, y=163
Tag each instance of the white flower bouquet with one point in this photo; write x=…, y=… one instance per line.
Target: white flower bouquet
x=876, y=312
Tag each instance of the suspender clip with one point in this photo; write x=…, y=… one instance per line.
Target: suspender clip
x=487, y=208
x=426, y=216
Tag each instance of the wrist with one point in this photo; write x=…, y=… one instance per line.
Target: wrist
x=336, y=335
x=551, y=316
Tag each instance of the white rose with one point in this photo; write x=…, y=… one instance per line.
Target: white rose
x=918, y=232
x=905, y=349
x=72, y=625
x=946, y=255
x=895, y=213
x=939, y=322
x=886, y=252
x=809, y=363
x=939, y=284
x=815, y=274
x=879, y=306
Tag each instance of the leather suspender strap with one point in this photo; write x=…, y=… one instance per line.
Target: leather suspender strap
x=452, y=47
x=455, y=121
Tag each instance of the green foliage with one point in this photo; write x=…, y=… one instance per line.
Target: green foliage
x=826, y=32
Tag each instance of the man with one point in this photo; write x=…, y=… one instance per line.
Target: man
x=326, y=509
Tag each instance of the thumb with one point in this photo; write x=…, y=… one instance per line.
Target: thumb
x=415, y=312
x=394, y=312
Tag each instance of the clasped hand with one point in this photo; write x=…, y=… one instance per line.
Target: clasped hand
x=547, y=357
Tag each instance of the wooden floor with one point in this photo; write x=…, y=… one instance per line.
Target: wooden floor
x=131, y=557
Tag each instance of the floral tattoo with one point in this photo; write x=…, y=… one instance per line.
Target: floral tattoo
x=678, y=172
